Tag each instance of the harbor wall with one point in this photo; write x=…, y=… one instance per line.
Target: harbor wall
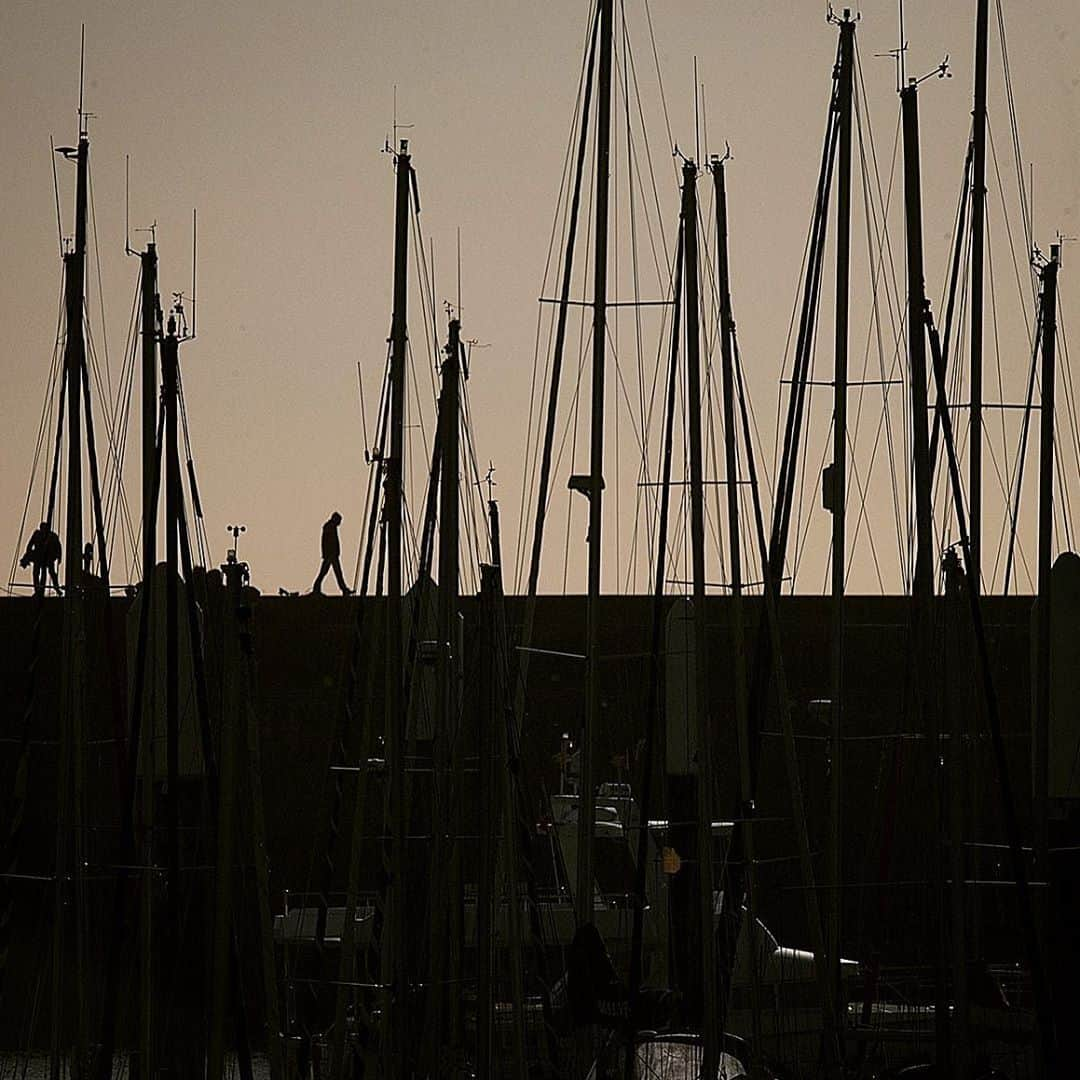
x=305, y=656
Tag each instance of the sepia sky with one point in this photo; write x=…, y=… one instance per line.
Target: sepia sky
x=270, y=118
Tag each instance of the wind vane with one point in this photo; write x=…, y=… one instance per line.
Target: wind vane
x=490, y=480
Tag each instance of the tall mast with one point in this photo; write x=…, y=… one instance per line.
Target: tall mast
x=496, y=535
x=1040, y=744
x=150, y=319
x=448, y=496
x=978, y=225
x=70, y=770
x=395, y=713
x=923, y=583
x=837, y=498
x=151, y=471
x=922, y=588
x=487, y=803
x=170, y=391
x=955, y=778
x=543, y=486
x=738, y=629
x=226, y=783
x=652, y=708
x=709, y=1002
x=1040, y=988
x=583, y=896
x=506, y=753
x=445, y=939
x=151, y=467
x=74, y=360
x=449, y=511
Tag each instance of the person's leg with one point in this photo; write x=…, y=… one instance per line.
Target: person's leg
x=55, y=579
x=323, y=571
x=340, y=578
x=39, y=579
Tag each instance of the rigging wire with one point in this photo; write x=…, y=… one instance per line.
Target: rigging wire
x=1021, y=457
x=1005, y=482
x=1064, y=502
x=611, y=317
x=202, y=540
x=1069, y=394
x=660, y=80
x=44, y=426
x=662, y=271
x=101, y=290
x=478, y=532
x=877, y=232
x=955, y=372
x=559, y=227
x=862, y=490
x=373, y=458
x=116, y=512
x=895, y=299
x=117, y=441
x=1024, y=301
x=1014, y=126
x=630, y=213
x=802, y=357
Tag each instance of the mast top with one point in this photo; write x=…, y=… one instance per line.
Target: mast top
x=716, y=162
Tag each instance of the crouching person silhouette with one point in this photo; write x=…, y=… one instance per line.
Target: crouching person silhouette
x=331, y=555
x=43, y=553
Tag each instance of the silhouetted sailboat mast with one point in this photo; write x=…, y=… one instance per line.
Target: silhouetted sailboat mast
x=396, y=977
x=978, y=233
x=744, y=845
x=70, y=865
x=594, y=487
x=702, y=721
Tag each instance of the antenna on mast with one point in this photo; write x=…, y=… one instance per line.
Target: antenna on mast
x=1030, y=224
x=704, y=126
x=127, y=205
x=697, y=135
x=459, y=269
x=82, y=70
x=194, y=264
x=397, y=126
x=901, y=72
x=489, y=480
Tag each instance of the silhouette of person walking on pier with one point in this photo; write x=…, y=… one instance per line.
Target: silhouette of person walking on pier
x=43, y=553
x=331, y=555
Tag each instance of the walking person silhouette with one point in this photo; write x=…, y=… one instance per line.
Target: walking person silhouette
x=43, y=553
x=331, y=555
